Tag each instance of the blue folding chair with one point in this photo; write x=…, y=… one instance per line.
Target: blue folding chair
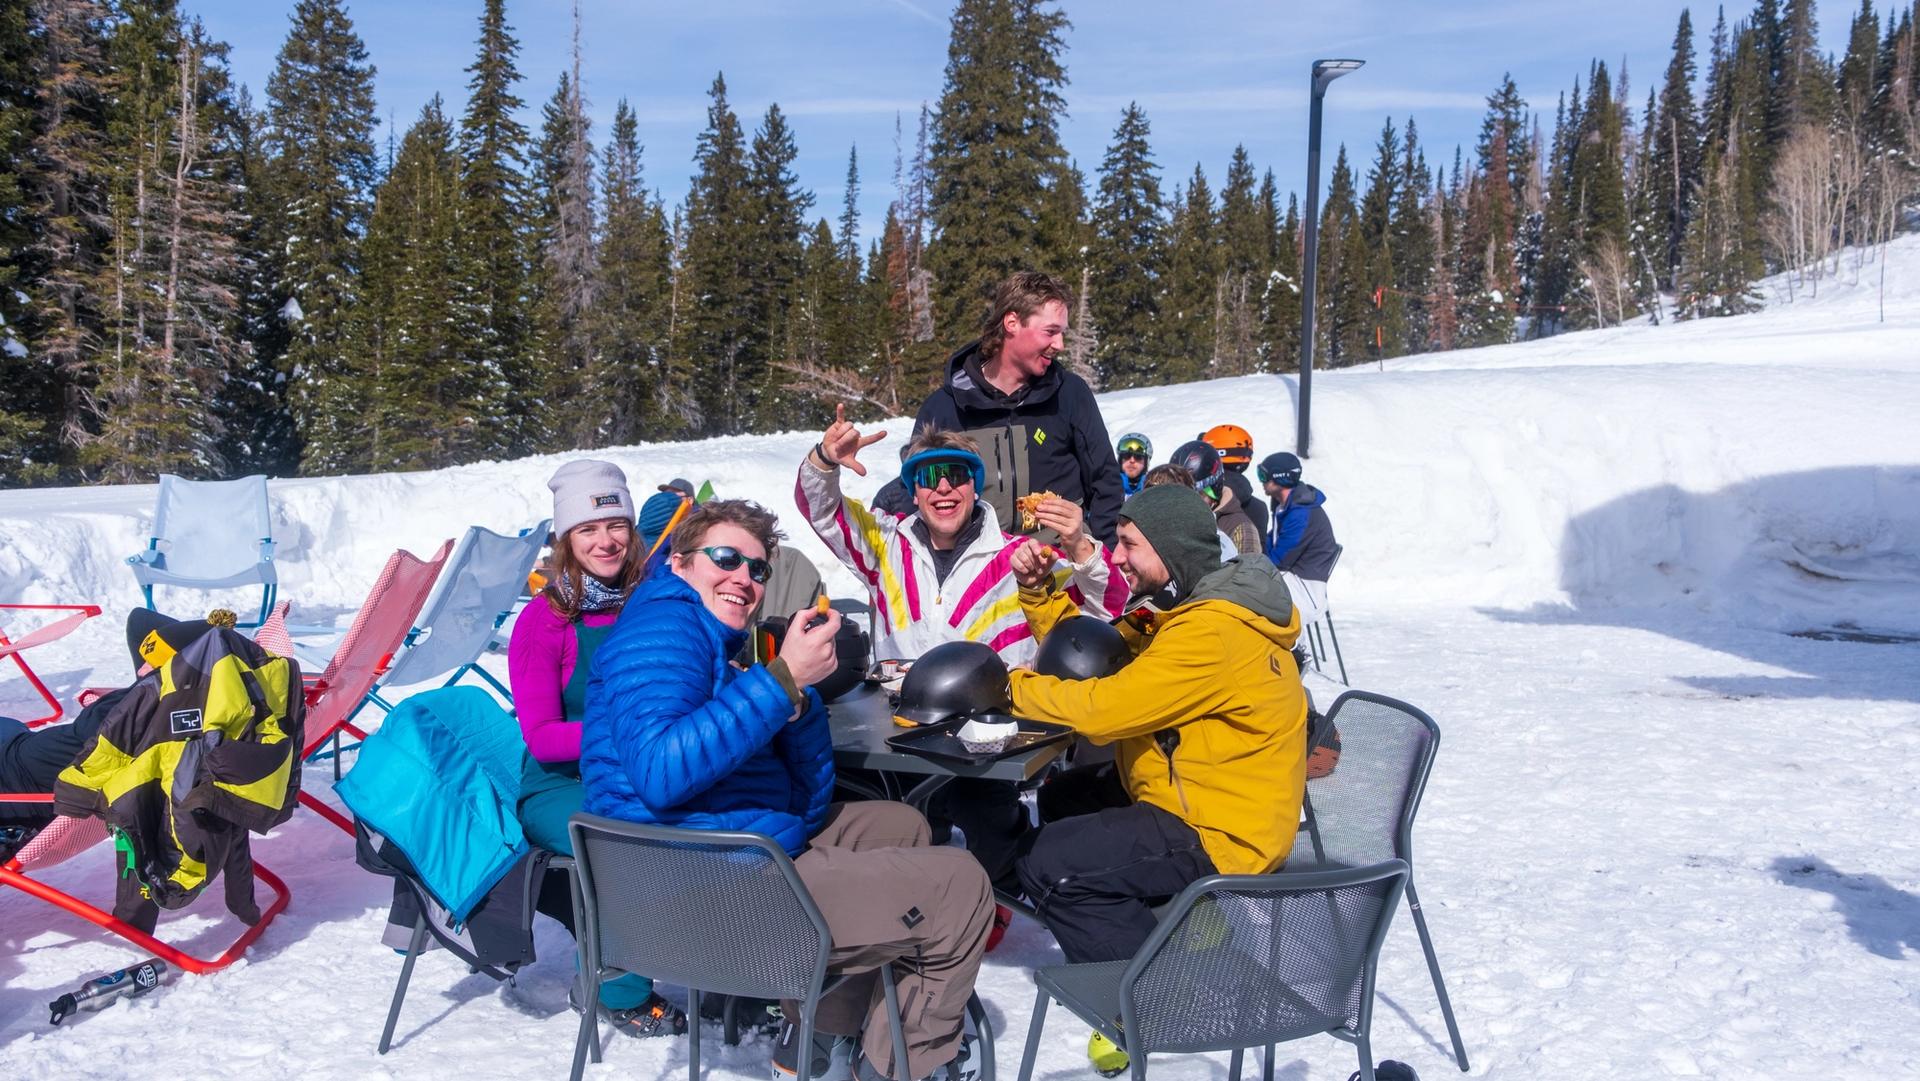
x=210, y=534
x=473, y=598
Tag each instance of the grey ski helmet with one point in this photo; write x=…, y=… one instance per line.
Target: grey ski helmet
x=1081, y=647
x=951, y=679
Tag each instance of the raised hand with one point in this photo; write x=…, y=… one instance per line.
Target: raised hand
x=1065, y=517
x=842, y=442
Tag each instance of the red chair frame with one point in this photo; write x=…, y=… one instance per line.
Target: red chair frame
x=60, y=628
x=14, y=873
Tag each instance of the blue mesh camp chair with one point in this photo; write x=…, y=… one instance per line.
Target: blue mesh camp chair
x=471, y=601
x=210, y=534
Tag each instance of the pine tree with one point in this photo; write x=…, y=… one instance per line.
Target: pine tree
x=1673, y=154
x=564, y=275
x=1281, y=310
x=320, y=140
x=30, y=385
x=1185, y=342
x=1128, y=260
x=69, y=205
x=257, y=430
x=1385, y=186
x=1805, y=79
x=775, y=252
x=720, y=333
x=1341, y=325
x=1413, y=253
x=494, y=257
x=174, y=348
x=1244, y=246
x=994, y=151
x=632, y=359
x=1507, y=118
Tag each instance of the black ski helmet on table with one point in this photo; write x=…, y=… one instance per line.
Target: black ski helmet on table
x=1081, y=647
x=951, y=679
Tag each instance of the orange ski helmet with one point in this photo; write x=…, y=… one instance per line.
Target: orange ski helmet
x=1234, y=444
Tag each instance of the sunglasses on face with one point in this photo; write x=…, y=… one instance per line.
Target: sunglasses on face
x=729, y=559
x=1134, y=455
x=928, y=475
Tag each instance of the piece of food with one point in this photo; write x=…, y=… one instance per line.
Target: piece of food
x=986, y=737
x=821, y=605
x=1027, y=505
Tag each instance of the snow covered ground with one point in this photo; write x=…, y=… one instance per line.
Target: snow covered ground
x=1665, y=836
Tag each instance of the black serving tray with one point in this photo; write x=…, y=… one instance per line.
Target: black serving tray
x=943, y=741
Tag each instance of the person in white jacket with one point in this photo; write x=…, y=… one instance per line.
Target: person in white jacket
x=943, y=573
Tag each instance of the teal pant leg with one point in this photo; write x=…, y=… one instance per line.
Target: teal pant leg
x=546, y=802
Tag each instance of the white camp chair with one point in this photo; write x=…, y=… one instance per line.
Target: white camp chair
x=214, y=534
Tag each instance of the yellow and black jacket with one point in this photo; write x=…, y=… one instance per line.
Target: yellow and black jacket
x=1208, y=720
x=199, y=752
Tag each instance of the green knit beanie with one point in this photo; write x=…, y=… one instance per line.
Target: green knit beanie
x=1178, y=523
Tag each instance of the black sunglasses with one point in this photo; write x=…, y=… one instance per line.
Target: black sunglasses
x=729, y=559
x=1140, y=454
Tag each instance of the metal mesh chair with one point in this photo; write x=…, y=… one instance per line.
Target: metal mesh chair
x=1363, y=811
x=743, y=924
x=1240, y=961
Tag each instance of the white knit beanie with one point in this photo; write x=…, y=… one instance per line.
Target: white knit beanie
x=587, y=491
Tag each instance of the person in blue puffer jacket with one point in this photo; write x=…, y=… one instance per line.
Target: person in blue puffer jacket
x=676, y=734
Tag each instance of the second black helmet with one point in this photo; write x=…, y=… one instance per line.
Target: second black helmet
x=1081, y=647
x=951, y=679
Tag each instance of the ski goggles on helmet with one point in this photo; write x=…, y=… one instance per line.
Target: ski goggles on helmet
x=1286, y=479
x=929, y=467
x=729, y=559
x=1132, y=448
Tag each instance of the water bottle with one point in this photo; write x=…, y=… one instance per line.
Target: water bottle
x=129, y=982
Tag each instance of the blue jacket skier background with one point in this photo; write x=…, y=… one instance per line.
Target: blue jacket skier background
x=1300, y=536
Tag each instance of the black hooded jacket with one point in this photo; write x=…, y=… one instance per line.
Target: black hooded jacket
x=1048, y=438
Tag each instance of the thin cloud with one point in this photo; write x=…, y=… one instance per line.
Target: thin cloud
x=909, y=5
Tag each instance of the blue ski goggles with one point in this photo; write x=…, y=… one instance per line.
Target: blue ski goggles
x=929, y=467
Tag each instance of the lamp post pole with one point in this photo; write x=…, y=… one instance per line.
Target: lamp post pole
x=1324, y=73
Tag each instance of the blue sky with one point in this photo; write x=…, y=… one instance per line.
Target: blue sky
x=1209, y=73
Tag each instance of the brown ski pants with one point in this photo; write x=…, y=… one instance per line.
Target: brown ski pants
x=891, y=899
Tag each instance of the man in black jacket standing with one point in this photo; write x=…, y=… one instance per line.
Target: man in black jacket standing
x=1038, y=425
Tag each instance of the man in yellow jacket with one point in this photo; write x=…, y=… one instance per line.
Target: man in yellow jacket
x=1208, y=721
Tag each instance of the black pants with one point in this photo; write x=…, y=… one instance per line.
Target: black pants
x=31, y=759
x=1100, y=862
x=991, y=815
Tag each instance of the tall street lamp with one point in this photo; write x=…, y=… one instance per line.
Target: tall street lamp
x=1324, y=73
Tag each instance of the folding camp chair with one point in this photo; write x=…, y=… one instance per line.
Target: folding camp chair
x=1363, y=811
x=744, y=924
x=1239, y=961
x=214, y=534
x=65, y=838
x=11, y=648
x=476, y=592
x=379, y=628
x=1318, y=644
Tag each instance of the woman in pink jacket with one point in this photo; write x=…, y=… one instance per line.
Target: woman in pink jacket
x=597, y=558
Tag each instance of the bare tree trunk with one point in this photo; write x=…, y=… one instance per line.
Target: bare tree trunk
x=188, y=136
